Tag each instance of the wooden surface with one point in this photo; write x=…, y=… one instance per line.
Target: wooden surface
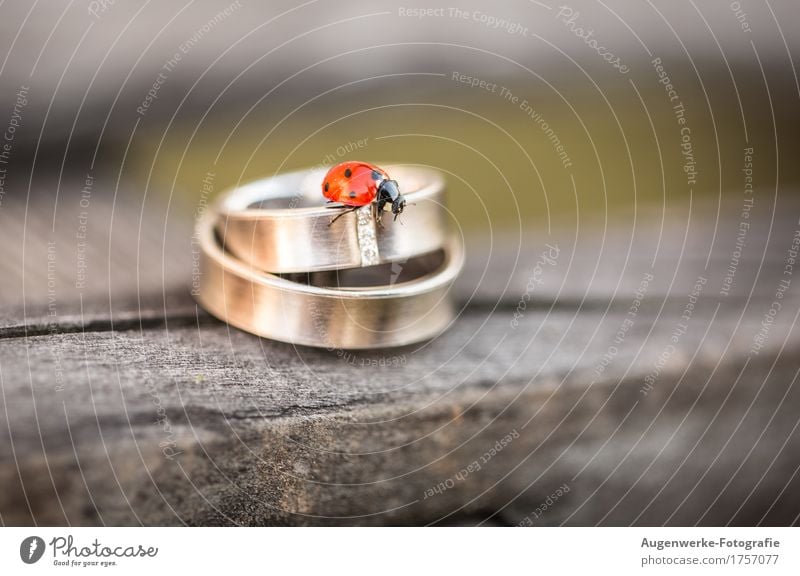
x=122, y=403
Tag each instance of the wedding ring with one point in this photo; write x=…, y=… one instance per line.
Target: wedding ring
x=281, y=224
x=332, y=316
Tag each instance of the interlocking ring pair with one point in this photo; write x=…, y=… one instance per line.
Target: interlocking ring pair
x=274, y=264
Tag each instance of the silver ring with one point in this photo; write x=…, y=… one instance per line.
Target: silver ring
x=281, y=225
x=325, y=316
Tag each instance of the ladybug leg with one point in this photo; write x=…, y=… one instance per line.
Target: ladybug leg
x=342, y=213
x=377, y=212
x=378, y=207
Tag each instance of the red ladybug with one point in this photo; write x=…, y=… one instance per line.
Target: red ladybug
x=357, y=184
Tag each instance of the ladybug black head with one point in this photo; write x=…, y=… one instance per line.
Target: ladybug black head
x=389, y=193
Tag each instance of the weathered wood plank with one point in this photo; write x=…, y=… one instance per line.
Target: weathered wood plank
x=179, y=424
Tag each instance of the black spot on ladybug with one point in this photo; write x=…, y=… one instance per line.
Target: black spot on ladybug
x=352, y=194
x=376, y=175
x=348, y=173
x=327, y=185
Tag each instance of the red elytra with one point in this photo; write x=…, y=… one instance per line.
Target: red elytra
x=353, y=183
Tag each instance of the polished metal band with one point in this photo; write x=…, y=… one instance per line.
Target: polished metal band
x=330, y=317
x=280, y=224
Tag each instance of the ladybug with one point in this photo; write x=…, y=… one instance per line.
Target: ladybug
x=356, y=184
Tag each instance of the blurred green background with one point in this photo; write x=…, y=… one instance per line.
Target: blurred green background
x=622, y=145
